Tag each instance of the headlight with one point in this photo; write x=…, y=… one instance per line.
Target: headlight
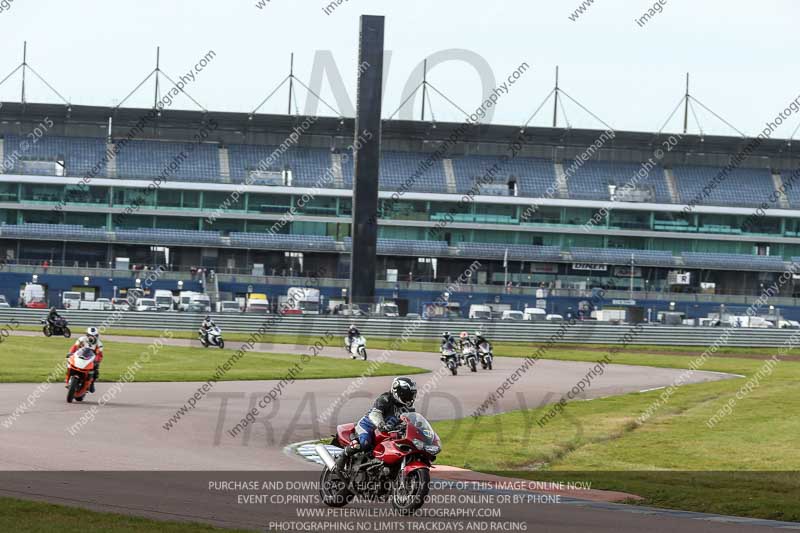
x=418, y=443
x=432, y=449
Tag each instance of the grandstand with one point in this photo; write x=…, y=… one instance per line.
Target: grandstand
x=528, y=226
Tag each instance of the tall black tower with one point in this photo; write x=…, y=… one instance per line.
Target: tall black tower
x=367, y=151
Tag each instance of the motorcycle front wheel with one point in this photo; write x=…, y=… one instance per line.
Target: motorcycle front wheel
x=46, y=331
x=333, y=489
x=363, y=353
x=221, y=344
x=74, y=385
x=410, y=494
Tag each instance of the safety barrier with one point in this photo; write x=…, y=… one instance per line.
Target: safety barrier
x=532, y=332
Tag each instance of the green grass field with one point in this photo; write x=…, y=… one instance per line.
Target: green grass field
x=35, y=517
x=748, y=464
x=172, y=363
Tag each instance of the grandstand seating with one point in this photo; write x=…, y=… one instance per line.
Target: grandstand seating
x=622, y=256
x=743, y=187
x=80, y=154
x=791, y=181
x=147, y=159
x=412, y=248
x=169, y=236
x=533, y=176
x=733, y=261
x=53, y=231
x=516, y=252
x=281, y=241
x=177, y=161
x=308, y=165
x=590, y=181
x=404, y=170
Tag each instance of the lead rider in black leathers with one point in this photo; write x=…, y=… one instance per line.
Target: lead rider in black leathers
x=384, y=416
x=52, y=316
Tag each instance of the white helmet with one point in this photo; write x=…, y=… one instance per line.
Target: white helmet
x=92, y=335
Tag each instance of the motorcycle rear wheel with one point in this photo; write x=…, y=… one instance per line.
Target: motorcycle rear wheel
x=332, y=489
x=221, y=344
x=67, y=333
x=407, y=499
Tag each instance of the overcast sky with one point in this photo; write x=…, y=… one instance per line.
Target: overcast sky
x=740, y=54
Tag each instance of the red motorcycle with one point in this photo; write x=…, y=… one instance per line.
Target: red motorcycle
x=398, y=468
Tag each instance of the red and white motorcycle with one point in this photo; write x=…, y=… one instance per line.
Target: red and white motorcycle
x=80, y=373
x=398, y=467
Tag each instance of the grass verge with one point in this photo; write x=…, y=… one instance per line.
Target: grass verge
x=747, y=464
x=173, y=363
x=36, y=517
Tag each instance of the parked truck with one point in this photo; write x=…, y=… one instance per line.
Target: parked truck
x=257, y=303
x=164, y=300
x=300, y=301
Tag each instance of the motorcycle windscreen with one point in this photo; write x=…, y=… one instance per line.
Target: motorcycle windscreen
x=419, y=425
x=84, y=358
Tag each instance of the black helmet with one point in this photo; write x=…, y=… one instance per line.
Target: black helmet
x=446, y=335
x=208, y=317
x=53, y=309
x=404, y=391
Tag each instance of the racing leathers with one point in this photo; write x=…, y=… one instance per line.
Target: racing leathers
x=384, y=415
x=52, y=316
x=205, y=327
x=352, y=333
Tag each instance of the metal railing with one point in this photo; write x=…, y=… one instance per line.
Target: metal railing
x=528, y=332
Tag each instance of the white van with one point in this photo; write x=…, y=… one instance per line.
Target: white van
x=513, y=315
x=71, y=300
x=203, y=300
x=230, y=306
x=146, y=304
x=185, y=299
x=163, y=300
x=480, y=312
x=534, y=313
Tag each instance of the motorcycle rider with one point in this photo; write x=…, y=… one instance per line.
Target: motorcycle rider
x=383, y=416
x=206, y=327
x=464, y=342
x=52, y=316
x=480, y=339
x=90, y=340
x=448, y=344
x=352, y=333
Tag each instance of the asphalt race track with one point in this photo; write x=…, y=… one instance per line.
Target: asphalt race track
x=128, y=436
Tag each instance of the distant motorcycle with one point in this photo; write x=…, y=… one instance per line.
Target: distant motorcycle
x=357, y=347
x=213, y=337
x=485, y=355
x=450, y=359
x=80, y=374
x=470, y=356
x=59, y=327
